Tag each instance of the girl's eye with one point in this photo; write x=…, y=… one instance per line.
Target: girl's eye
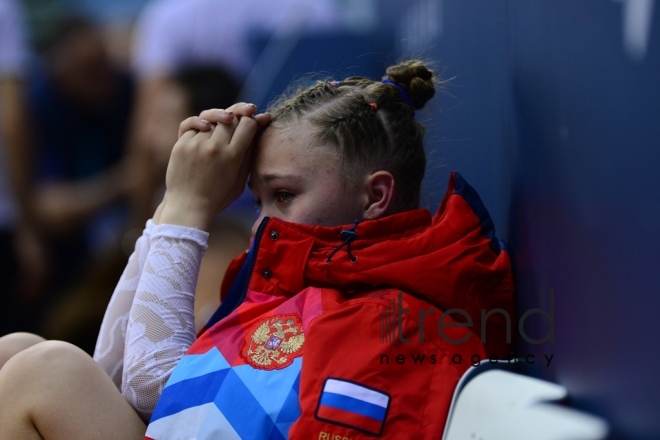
x=283, y=196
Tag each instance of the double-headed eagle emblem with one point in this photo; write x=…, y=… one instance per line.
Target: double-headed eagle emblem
x=274, y=342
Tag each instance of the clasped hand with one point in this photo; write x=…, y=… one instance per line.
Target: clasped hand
x=209, y=165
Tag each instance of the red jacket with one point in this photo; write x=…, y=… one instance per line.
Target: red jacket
x=333, y=333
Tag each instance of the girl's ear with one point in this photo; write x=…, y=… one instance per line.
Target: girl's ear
x=380, y=192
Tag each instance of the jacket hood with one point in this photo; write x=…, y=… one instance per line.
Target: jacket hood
x=451, y=259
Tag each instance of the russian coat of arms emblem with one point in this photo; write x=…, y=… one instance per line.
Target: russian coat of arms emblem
x=274, y=342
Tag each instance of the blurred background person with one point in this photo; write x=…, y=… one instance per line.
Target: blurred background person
x=22, y=261
x=80, y=106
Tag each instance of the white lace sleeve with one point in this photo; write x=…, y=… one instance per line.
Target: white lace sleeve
x=161, y=325
x=109, y=351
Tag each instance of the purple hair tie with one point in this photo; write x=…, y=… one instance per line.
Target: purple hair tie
x=404, y=94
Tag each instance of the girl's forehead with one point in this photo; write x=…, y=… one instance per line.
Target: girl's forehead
x=292, y=131
x=291, y=149
x=292, y=141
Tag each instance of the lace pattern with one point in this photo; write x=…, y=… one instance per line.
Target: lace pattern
x=149, y=323
x=109, y=350
x=161, y=324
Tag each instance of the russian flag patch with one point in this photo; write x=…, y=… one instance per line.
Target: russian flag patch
x=353, y=405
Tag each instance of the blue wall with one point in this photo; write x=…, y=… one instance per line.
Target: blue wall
x=556, y=121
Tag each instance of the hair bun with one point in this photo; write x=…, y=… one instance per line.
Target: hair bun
x=416, y=78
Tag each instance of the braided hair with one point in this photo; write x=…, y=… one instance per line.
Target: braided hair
x=371, y=123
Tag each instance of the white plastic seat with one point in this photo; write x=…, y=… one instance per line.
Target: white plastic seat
x=491, y=403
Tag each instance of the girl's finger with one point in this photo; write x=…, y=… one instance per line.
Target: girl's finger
x=262, y=119
x=243, y=135
x=243, y=109
x=217, y=116
x=187, y=135
x=194, y=123
x=222, y=133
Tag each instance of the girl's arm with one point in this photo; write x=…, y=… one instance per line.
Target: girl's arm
x=109, y=351
x=161, y=325
x=207, y=171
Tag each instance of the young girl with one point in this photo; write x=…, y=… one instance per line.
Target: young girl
x=353, y=315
